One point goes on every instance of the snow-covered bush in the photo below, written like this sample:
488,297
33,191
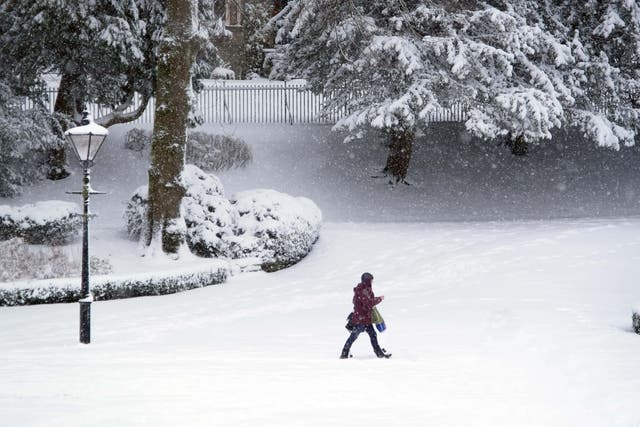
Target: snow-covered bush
215,153
223,73
274,227
137,140
51,222
135,212
277,228
636,320
19,261
208,215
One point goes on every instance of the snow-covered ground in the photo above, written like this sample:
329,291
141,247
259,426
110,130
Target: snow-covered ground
509,285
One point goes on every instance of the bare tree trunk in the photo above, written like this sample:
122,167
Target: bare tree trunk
68,105
177,52
519,145
400,149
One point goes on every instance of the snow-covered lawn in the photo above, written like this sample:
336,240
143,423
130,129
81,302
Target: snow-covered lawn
490,323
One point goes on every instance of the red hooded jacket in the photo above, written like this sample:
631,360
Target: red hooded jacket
363,302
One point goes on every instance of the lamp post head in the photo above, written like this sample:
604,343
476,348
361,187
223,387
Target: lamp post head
87,139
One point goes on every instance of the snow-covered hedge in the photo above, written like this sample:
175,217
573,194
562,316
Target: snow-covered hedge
51,222
274,227
111,287
636,319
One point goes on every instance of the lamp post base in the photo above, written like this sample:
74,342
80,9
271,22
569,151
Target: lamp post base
85,322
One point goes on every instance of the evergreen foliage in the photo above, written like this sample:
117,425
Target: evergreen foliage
523,68
104,50
25,138
216,153
256,14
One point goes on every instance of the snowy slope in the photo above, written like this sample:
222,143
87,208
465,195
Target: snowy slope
495,322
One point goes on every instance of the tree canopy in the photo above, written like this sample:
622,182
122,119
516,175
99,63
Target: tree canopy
523,68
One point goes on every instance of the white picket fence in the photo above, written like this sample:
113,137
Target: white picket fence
222,101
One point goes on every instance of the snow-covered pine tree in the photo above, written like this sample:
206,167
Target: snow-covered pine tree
605,37
256,14
180,44
392,63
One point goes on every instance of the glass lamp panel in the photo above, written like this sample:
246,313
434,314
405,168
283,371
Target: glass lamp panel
94,145
81,145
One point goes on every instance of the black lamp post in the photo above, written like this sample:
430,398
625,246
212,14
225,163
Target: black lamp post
86,141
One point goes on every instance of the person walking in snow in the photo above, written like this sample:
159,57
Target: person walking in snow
363,302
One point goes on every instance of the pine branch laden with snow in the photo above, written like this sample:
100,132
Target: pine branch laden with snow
605,39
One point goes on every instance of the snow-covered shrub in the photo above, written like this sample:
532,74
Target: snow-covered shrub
207,213
636,320
51,222
100,266
277,228
137,140
20,261
274,227
223,73
136,211
215,153
109,287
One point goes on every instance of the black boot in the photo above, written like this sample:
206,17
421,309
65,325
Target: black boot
345,354
381,352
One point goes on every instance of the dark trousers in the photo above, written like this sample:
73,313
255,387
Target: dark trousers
357,330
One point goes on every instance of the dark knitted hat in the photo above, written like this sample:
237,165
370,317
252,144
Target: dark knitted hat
366,278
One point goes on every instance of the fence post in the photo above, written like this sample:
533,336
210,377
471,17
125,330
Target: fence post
224,101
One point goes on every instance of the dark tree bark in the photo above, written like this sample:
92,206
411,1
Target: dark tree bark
176,55
519,145
400,149
70,106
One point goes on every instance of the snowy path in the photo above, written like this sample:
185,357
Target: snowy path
490,324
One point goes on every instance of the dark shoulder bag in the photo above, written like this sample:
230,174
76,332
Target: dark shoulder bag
349,325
